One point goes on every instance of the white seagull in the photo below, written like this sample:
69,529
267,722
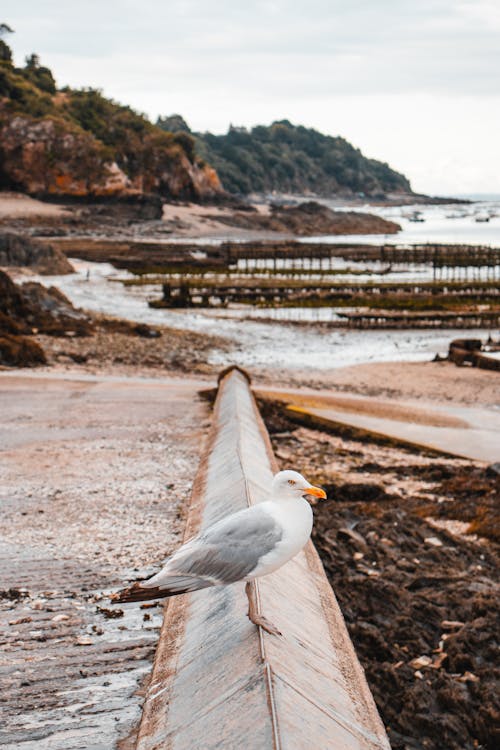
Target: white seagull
240,547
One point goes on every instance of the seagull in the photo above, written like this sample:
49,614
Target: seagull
243,546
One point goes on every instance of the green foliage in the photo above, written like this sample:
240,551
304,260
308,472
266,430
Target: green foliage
40,76
288,158
187,143
22,95
173,123
136,144
111,123
5,50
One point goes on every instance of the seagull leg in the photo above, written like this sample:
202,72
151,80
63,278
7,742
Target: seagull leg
253,614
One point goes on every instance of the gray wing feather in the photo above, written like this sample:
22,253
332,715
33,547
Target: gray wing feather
226,552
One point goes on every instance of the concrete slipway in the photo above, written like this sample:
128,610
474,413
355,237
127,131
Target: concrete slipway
219,681
462,431
84,461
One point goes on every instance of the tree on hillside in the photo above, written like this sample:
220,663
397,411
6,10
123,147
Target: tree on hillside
173,124
38,74
289,158
5,50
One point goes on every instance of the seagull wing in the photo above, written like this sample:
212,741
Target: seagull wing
226,552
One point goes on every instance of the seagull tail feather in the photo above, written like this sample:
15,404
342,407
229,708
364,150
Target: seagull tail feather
138,593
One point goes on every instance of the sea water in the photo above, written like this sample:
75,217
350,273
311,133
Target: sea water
452,223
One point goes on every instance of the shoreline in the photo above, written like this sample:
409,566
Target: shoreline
184,221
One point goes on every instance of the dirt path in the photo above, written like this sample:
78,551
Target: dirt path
95,473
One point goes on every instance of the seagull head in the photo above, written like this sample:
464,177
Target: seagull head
290,484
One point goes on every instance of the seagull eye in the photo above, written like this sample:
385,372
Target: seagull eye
291,481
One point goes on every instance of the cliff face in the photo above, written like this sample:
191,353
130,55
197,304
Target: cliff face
80,144
47,157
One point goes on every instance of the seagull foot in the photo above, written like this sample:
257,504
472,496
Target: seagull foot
265,624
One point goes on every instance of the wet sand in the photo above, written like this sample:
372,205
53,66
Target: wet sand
19,206
418,382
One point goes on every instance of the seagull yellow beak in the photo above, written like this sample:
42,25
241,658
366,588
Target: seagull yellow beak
316,491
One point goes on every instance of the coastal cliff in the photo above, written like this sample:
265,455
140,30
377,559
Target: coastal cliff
77,143
80,144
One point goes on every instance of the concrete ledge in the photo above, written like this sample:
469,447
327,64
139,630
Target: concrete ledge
220,682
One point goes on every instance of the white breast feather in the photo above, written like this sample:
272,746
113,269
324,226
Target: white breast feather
295,517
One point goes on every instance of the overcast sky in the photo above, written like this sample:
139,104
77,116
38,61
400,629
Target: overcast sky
415,83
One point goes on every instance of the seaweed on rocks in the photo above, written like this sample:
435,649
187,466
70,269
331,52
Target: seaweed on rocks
30,309
420,597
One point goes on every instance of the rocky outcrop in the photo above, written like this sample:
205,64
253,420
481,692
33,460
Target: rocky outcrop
122,209
311,218
18,250
77,143
31,308
206,182
20,351
471,352
49,157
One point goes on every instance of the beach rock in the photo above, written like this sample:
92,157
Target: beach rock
311,218
31,308
357,492
20,351
140,207
493,470
314,218
129,328
51,312
354,538
19,250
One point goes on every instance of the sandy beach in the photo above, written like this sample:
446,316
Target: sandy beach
421,382
177,351
15,206
182,220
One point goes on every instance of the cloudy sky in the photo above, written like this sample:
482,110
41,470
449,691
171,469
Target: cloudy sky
415,83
